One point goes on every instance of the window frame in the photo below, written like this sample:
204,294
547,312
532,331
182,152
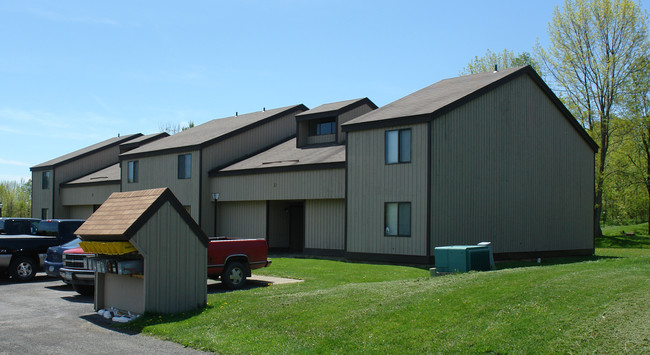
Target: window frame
132,171
45,180
314,128
399,145
399,232
185,173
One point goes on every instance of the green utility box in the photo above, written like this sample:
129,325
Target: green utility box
462,258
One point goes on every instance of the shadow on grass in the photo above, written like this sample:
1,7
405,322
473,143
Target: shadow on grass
623,241
549,261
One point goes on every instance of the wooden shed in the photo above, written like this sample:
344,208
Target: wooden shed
151,230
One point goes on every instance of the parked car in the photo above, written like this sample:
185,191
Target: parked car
23,255
54,259
229,259
18,225
75,271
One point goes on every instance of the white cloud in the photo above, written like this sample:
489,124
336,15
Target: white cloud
13,162
53,16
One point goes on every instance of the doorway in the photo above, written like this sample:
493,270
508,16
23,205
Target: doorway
285,225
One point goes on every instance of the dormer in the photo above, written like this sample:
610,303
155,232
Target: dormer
322,125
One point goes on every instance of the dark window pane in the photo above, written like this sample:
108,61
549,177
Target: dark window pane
405,146
404,219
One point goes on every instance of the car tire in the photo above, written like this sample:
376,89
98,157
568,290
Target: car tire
234,275
84,290
23,268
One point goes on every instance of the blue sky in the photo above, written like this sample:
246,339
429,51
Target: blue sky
73,73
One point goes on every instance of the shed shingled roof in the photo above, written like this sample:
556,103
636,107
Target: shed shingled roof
124,213
448,94
212,130
85,151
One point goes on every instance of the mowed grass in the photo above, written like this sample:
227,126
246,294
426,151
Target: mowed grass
584,305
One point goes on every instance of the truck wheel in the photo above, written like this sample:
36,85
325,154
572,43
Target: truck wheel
84,290
23,268
234,275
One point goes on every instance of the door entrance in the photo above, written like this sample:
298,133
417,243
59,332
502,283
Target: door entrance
286,225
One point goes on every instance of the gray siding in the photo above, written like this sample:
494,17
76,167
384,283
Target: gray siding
41,198
294,185
175,269
346,116
372,183
234,148
162,171
80,211
508,168
87,194
325,224
245,219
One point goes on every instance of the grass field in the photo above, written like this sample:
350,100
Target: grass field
595,304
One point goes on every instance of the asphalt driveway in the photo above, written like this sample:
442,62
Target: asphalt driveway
46,316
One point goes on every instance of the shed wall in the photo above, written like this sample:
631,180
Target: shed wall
242,219
175,265
508,168
372,183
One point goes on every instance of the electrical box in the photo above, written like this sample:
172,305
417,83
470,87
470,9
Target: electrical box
462,258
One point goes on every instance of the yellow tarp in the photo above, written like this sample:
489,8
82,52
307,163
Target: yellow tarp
108,248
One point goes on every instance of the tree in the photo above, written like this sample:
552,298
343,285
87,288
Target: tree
592,53
503,60
16,198
173,128
637,105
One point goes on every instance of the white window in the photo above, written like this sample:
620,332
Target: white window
398,146
185,166
397,219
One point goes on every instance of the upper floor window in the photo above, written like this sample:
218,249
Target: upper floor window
397,219
322,127
185,166
132,174
398,146
45,181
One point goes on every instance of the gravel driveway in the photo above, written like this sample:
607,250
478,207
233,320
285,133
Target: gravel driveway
46,316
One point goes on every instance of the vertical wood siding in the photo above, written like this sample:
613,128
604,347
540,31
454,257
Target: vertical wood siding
508,168
372,183
244,219
346,116
80,211
175,263
162,171
291,185
41,198
325,224
78,168
234,148
87,194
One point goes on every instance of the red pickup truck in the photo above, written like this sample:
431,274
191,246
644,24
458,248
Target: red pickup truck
229,259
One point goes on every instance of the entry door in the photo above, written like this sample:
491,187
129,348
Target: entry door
297,227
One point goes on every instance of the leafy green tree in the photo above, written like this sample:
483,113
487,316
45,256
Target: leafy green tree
592,53
16,198
503,60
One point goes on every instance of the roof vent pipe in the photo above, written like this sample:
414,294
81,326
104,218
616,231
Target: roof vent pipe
236,113
264,109
496,69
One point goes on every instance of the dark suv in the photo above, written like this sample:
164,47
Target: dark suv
18,225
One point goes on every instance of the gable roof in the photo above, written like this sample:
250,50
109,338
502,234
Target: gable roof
437,99
142,140
124,213
78,154
334,108
287,157
109,175
212,131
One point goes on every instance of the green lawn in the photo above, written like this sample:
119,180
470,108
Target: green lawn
596,304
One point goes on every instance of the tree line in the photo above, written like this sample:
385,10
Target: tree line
597,63
16,198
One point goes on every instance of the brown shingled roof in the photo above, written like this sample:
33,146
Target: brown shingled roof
123,213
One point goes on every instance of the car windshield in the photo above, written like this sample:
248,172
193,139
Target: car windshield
72,244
